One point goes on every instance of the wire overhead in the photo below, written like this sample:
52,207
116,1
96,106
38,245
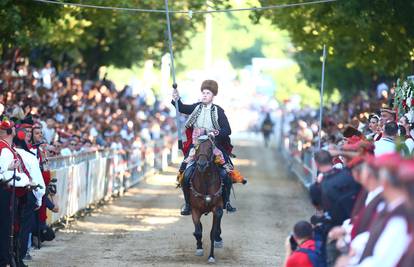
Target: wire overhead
143,10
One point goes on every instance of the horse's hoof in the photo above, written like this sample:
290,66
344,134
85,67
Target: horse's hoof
211,260
199,252
218,244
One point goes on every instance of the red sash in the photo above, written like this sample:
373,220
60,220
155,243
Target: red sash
187,144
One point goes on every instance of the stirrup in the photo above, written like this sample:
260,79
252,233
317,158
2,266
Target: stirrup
186,210
229,208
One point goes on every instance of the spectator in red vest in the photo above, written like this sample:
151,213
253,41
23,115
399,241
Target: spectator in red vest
377,247
406,176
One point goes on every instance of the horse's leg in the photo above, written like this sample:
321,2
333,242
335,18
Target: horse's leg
217,214
218,241
198,232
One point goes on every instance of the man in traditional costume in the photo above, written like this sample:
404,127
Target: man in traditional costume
206,118
33,199
11,166
406,176
377,246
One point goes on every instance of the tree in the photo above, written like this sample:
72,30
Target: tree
364,38
240,58
19,22
90,38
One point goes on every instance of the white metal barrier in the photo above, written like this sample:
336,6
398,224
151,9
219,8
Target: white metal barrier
299,159
87,178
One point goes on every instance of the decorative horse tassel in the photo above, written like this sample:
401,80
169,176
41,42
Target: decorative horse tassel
236,177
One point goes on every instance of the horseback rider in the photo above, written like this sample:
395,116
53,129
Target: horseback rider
211,119
267,128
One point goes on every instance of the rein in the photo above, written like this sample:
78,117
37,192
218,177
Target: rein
207,197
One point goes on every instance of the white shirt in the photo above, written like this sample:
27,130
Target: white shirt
383,146
6,158
31,163
46,74
48,134
204,119
409,142
125,135
372,194
93,132
391,244
116,146
380,88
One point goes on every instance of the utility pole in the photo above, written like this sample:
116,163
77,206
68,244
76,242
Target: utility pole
208,41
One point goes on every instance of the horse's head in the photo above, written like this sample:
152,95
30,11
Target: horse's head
204,153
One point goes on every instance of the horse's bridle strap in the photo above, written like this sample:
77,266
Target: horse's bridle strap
199,195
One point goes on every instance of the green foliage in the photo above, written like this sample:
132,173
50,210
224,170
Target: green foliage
364,38
235,34
404,97
243,57
20,21
91,38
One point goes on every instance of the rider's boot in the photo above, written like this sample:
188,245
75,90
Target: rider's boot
186,209
227,185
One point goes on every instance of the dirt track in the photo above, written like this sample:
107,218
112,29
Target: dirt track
144,227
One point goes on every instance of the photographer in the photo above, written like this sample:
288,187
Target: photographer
41,231
49,200
300,247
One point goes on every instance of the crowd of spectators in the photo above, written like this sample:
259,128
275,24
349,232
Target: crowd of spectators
363,189
46,113
78,115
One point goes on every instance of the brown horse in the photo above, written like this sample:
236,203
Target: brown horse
206,195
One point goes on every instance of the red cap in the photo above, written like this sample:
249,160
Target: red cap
390,161
406,171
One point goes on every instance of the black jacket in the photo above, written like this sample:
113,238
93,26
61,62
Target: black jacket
336,194
223,138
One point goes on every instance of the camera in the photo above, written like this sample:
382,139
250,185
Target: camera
293,243
319,220
51,187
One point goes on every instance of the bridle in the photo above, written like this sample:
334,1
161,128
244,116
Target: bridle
209,157
210,160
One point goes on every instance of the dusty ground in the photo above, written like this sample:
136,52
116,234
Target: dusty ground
144,227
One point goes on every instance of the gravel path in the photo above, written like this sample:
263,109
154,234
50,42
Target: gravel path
144,228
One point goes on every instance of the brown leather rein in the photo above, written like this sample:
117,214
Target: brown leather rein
207,197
